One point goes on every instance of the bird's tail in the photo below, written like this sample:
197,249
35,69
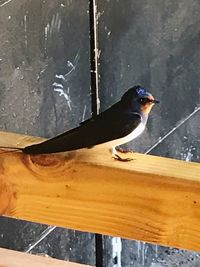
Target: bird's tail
11,149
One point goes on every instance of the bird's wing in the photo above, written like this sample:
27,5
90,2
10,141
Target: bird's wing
119,126
109,125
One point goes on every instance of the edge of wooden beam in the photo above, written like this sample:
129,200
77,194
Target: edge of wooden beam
151,198
10,258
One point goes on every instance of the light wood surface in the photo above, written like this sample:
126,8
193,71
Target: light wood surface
150,198
9,258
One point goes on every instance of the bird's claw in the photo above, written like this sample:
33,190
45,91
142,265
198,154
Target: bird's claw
121,150
117,157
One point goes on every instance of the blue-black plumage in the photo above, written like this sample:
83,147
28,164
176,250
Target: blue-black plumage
119,124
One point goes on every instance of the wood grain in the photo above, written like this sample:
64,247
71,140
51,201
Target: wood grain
9,258
151,198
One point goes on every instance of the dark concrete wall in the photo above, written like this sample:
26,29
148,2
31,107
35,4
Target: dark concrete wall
156,44
44,48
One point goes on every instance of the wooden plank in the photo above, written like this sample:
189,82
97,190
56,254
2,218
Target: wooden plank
151,198
9,258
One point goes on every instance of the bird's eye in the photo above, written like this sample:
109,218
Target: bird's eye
142,100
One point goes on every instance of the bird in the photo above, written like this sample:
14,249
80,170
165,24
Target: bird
119,124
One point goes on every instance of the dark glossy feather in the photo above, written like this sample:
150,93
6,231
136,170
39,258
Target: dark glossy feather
114,123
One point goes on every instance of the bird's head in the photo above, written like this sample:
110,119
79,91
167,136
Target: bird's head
138,99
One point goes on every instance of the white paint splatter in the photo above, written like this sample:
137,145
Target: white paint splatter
66,96
69,64
57,85
60,76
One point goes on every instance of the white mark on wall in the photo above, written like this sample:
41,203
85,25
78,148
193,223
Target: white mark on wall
66,96
141,249
99,14
17,74
62,77
51,28
109,33
55,24
46,29
188,153
5,3
160,140
59,86
84,112
41,237
25,31
199,93
97,54
71,66
116,251
189,156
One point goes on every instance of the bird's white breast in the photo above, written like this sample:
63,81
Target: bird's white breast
135,133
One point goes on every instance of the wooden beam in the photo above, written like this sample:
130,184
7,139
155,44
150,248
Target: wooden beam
9,258
151,198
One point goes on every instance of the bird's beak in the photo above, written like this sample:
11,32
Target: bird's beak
155,101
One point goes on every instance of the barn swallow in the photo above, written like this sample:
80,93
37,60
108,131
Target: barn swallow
119,124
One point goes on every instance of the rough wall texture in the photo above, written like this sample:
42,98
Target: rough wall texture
156,44
45,89
45,75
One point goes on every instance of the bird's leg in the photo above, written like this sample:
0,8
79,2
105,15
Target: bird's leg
121,150
117,157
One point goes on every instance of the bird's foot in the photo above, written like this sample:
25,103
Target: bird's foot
121,150
117,157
